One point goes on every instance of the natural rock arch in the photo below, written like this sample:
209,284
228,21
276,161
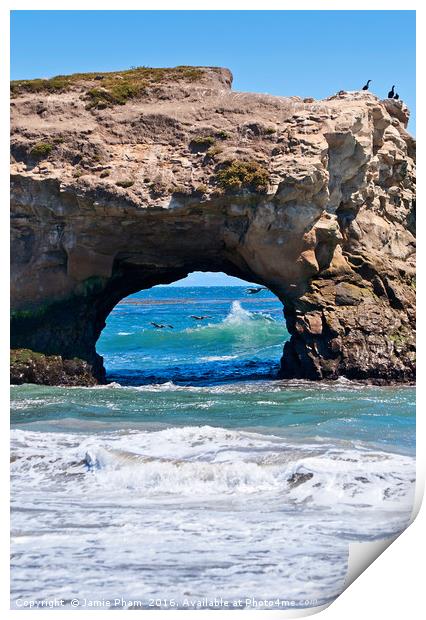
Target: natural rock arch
312,199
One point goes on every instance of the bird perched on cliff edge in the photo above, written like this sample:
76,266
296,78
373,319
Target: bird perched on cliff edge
396,96
391,92
365,87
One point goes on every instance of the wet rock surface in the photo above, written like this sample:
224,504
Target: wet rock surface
313,199
30,367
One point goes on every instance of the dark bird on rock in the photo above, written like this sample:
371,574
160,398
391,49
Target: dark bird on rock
365,87
160,325
391,93
253,291
199,318
396,96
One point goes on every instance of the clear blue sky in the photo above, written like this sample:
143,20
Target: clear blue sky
305,53
198,278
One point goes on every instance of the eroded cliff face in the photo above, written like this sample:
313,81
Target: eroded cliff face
313,199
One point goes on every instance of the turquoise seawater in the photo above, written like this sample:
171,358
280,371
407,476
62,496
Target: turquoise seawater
195,473
208,334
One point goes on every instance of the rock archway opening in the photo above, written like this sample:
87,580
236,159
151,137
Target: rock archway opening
202,329
300,196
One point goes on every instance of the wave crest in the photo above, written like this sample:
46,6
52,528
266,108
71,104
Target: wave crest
207,461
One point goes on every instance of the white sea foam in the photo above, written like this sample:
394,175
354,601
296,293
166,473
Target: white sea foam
205,460
246,387
236,318
217,358
238,315
228,509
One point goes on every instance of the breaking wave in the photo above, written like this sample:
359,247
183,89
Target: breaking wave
240,327
243,344
205,462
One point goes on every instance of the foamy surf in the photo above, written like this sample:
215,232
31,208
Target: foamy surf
372,480
238,318
206,461
148,506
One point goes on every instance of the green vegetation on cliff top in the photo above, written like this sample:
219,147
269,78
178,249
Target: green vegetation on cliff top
106,89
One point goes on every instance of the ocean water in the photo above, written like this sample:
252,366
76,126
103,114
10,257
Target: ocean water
195,475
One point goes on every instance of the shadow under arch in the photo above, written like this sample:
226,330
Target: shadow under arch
132,273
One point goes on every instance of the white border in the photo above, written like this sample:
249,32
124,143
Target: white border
393,585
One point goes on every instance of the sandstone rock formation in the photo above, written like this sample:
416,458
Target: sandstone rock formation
123,181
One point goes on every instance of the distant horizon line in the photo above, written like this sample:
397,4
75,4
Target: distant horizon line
204,286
